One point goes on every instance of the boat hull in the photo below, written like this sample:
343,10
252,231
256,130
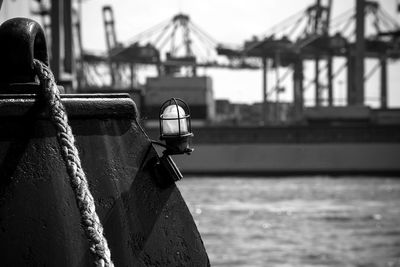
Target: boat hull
293,159
294,150
144,223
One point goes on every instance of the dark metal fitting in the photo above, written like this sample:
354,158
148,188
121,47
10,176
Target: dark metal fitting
165,171
22,40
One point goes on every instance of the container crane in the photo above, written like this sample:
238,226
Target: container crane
183,44
123,58
312,35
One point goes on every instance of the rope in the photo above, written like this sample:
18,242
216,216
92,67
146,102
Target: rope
89,219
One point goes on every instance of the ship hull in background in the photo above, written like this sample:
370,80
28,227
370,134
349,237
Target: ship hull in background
294,150
293,159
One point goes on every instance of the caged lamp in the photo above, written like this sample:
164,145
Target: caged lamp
175,126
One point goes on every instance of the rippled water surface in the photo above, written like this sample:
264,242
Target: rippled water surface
303,221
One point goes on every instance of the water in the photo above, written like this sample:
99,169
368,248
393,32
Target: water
303,221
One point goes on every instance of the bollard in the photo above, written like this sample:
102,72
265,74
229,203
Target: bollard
145,224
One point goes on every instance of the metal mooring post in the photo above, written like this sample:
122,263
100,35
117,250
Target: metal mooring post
41,221
21,40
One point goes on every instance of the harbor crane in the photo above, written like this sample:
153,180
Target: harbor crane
182,43
171,46
312,35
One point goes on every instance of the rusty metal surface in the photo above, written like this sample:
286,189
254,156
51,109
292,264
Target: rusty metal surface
145,225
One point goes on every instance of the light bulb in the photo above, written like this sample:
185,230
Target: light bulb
171,124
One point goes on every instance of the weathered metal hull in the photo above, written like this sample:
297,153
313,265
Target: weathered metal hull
145,224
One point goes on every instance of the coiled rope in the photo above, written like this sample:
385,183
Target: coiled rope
89,218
